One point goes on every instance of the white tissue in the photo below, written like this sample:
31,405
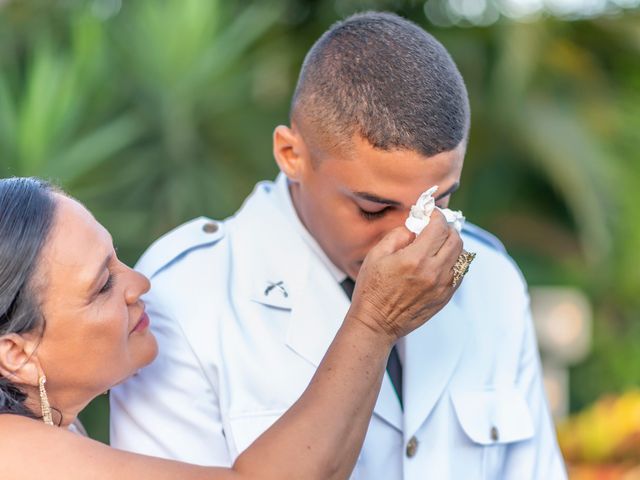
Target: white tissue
420,214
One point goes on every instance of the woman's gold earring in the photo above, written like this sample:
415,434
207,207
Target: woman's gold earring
44,402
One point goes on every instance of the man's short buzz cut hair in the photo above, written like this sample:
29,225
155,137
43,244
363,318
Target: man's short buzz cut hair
385,79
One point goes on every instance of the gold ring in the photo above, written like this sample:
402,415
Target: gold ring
461,267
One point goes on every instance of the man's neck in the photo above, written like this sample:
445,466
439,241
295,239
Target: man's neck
294,194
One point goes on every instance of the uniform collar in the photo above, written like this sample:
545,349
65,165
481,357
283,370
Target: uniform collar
315,321
429,355
285,204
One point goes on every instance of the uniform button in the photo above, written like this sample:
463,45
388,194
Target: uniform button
495,434
210,227
412,447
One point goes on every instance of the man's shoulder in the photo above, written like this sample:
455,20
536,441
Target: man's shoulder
185,244
494,291
482,236
174,246
491,256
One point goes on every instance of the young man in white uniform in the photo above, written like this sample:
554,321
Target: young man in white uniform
244,309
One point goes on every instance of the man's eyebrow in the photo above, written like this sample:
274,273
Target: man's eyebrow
370,197
451,190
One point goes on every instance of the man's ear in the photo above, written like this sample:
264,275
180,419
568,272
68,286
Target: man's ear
18,360
290,152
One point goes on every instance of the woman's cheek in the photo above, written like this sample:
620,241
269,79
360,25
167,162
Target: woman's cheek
111,331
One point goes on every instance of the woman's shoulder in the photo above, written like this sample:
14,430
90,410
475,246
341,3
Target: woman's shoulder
19,423
18,432
32,449
21,439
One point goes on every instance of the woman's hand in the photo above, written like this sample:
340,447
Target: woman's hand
404,282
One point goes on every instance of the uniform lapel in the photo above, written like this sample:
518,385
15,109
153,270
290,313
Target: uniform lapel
316,317
288,275
317,312
431,356
388,406
317,302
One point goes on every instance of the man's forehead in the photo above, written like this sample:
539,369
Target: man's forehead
393,180
391,177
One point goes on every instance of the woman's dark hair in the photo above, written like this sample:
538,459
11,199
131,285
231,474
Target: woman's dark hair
27,209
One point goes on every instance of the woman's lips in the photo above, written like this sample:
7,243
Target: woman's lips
142,324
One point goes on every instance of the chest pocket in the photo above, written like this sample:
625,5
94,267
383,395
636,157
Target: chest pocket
248,427
493,419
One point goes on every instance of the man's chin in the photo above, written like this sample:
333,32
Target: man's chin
354,269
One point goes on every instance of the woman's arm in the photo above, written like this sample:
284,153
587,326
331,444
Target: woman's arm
400,286
318,438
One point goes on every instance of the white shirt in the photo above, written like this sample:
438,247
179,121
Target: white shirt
234,355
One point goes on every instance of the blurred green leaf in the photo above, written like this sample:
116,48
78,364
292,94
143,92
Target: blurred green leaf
94,148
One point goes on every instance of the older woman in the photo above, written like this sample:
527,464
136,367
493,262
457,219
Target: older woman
72,325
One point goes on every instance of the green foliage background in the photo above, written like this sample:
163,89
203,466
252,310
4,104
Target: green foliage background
155,111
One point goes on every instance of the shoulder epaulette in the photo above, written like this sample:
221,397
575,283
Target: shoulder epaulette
483,236
178,242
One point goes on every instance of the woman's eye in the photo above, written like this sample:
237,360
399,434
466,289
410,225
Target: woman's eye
107,285
367,215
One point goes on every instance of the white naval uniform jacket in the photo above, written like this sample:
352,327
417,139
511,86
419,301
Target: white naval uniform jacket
244,311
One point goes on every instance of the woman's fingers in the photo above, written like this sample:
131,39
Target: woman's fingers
405,280
451,249
448,255
395,240
431,239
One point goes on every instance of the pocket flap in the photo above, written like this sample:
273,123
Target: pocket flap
496,416
247,427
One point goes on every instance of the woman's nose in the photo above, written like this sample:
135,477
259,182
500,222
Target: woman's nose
138,287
